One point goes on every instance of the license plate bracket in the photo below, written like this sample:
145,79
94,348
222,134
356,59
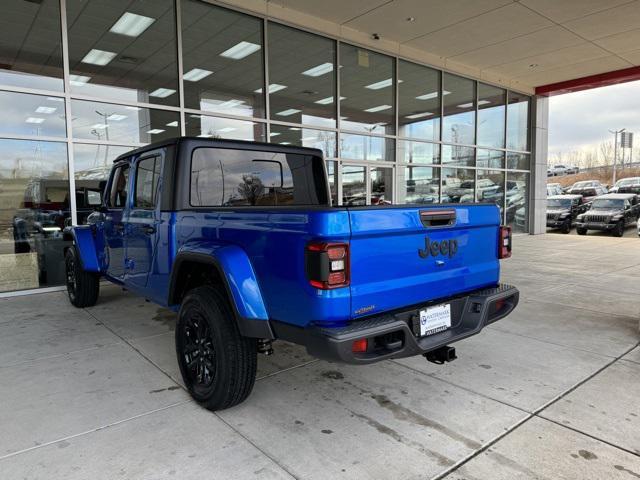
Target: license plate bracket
434,319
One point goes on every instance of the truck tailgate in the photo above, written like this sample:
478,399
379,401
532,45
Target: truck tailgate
404,256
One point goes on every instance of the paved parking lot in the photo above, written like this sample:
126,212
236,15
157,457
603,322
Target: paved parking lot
551,392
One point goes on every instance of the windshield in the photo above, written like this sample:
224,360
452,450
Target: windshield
627,181
559,202
581,184
607,204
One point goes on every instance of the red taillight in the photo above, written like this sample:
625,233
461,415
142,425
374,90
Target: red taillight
504,245
327,265
359,346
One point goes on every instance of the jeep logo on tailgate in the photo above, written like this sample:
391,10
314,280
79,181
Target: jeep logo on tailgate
445,248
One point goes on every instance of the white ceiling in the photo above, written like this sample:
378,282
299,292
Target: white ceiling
519,43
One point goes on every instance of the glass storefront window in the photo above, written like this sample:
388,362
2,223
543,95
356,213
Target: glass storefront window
491,108
305,77
124,51
305,137
360,147
222,60
456,155
381,184
418,152
518,122
367,91
458,185
332,174
518,161
418,185
31,40
490,158
354,189
419,101
206,126
123,124
32,115
517,201
34,209
458,109
490,188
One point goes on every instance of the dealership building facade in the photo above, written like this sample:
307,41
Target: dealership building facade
82,82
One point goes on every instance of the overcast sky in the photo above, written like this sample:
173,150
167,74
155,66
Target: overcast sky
582,119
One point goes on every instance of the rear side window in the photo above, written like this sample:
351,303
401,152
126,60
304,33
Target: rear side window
230,178
147,178
119,187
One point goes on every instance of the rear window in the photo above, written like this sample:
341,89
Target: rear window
230,178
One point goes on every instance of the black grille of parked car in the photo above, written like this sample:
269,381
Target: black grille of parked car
552,216
597,218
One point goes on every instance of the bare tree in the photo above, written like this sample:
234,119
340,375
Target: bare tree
251,189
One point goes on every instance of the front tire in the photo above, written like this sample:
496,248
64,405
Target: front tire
82,287
619,230
566,226
218,365
581,231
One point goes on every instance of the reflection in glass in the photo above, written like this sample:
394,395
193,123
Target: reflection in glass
458,185
34,209
517,203
307,74
31,39
490,188
124,124
518,161
124,51
332,174
418,185
455,155
490,158
360,147
381,184
518,122
419,101
418,152
222,56
354,190
459,109
34,115
205,126
366,85
305,137
491,120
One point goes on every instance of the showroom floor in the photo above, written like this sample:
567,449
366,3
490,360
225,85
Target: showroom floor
551,392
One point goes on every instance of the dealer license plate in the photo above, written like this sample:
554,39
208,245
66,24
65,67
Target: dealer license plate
435,319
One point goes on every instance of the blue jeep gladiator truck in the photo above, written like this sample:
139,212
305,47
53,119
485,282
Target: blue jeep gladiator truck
241,239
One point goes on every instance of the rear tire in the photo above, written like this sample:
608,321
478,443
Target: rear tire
566,226
619,230
218,365
82,287
581,231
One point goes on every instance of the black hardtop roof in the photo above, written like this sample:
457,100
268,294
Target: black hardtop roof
223,143
558,197
616,196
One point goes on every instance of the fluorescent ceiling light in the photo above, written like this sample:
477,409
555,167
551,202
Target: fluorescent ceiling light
98,57
419,115
131,24
78,80
162,92
379,108
155,130
99,126
226,129
465,105
328,100
429,96
274,134
379,85
46,109
483,102
133,108
241,50
34,120
285,143
230,103
295,129
55,99
172,124
195,116
116,117
319,70
196,74
274,87
289,111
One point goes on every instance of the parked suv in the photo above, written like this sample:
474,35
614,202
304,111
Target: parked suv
589,189
558,170
562,211
241,239
611,212
627,185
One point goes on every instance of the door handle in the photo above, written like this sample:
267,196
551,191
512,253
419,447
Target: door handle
149,229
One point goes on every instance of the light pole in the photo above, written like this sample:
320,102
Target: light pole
615,152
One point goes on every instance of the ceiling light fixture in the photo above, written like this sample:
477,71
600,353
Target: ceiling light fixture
465,105
162,92
99,126
328,100
172,124
196,74
116,117
78,80
131,24
34,120
98,57
155,131
274,134
240,50
288,112
380,84
273,87
429,96
379,108
419,115
319,70
46,109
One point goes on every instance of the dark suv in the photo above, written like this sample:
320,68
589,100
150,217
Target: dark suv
589,189
562,211
611,212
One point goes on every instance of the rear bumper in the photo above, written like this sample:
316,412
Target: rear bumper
392,335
